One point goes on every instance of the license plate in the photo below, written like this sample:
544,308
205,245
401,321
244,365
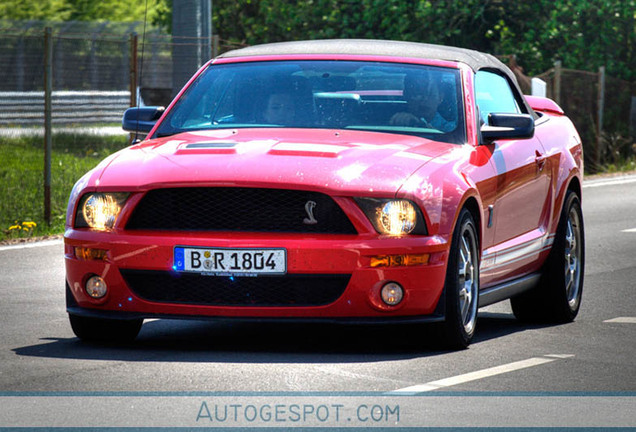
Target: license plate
230,261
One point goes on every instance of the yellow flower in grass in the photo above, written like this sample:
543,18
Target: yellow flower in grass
29,225
15,227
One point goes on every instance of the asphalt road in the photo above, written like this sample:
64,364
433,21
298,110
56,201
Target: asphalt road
39,353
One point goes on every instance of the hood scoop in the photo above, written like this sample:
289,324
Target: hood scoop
307,149
209,145
223,147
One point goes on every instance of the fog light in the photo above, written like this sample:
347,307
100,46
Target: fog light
392,293
96,287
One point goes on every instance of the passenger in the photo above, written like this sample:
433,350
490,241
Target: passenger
280,109
423,98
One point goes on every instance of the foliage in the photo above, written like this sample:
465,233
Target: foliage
584,34
81,10
54,10
24,229
618,150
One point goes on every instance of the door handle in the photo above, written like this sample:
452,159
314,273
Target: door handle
540,160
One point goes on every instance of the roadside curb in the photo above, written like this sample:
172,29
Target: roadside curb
610,181
32,243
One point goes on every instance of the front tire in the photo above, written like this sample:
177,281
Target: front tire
558,297
105,330
462,284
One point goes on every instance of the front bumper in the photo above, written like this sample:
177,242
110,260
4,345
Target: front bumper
307,256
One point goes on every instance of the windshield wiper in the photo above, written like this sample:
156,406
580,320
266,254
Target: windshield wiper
164,134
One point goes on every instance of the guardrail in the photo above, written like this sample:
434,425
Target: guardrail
68,107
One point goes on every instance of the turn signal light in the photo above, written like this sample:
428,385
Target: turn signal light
399,260
88,254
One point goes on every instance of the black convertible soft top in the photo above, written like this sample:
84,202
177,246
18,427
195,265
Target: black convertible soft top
475,59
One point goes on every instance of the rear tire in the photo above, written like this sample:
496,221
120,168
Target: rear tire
105,330
557,299
462,284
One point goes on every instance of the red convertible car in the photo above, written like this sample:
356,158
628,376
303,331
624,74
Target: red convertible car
351,181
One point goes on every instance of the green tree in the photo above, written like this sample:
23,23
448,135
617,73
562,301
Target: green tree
82,10
54,10
109,10
584,34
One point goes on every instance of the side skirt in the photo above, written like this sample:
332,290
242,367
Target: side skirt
504,291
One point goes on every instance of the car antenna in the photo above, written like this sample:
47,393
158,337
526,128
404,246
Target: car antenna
141,72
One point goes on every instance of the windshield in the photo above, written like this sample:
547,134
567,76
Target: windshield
371,96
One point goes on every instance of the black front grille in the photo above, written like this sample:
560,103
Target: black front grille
287,290
239,209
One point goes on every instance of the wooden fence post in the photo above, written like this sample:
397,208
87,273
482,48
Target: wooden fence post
133,69
215,46
48,138
601,108
557,81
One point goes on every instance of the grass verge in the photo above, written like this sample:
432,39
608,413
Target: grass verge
22,179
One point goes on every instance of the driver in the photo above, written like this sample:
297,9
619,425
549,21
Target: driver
423,98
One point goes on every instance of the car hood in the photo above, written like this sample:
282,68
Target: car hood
340,162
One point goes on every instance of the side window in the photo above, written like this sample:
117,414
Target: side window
493,95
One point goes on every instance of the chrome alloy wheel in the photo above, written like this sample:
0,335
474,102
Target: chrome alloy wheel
467,266
573,259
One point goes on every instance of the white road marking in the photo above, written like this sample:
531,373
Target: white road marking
622,320
32,245
609,182
632,230
559,356
477,375
337,371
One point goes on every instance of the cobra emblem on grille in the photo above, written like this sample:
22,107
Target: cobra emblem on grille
309,208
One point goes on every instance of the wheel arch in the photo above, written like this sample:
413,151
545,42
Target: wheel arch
575,186
572,185
472,205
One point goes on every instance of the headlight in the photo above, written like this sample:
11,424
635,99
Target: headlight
393,216
99,210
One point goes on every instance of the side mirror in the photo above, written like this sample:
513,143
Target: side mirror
141,119
507,126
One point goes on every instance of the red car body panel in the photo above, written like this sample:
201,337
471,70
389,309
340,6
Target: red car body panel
442,178
342,162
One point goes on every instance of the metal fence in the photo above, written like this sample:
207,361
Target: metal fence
94,61
86,56
68,107
601,107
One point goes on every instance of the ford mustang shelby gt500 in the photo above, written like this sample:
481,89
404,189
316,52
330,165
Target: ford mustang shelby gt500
341,180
